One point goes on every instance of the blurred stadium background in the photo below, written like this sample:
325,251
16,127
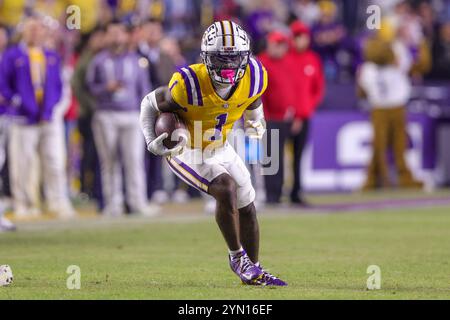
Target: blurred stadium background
166,34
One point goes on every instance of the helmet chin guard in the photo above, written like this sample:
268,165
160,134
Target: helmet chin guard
225,52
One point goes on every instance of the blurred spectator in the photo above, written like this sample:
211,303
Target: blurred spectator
308,77
161,64
353,13
106,13
4,42
50,8
387,87
306,11
262,17
327,36
279,107
3,46
224,10
161,68
403,26
11,12
30,68
118,80
91,11
441,54
181,17
407,22
5,224
134,29
65,112
170,47
89,175
428,20
150,9
124,8
164,56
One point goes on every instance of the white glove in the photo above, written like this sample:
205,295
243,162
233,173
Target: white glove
255,128
159,149
149,114
255,125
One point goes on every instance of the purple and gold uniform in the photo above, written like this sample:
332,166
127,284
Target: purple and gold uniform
191,88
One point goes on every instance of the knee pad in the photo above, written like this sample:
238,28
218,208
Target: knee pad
245,194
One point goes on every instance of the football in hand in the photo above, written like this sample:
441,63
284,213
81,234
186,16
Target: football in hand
169,122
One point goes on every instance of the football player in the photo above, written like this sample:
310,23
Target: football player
210,97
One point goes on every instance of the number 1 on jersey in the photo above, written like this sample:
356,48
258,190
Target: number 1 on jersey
221,120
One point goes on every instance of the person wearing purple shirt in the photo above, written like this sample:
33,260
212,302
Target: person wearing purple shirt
31,86
258,23
3,46
327,37
5,224
118,79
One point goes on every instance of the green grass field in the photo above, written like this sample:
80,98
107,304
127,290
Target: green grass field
322,256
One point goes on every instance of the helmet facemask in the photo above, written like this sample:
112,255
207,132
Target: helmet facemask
226,68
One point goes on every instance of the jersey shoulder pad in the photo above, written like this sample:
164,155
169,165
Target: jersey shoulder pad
258,78
185,87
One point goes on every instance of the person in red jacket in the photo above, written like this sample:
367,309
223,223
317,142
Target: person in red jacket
279,109
308,79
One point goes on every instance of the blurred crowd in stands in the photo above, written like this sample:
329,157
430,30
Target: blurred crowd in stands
154,37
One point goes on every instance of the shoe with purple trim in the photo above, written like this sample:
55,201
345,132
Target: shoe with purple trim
268,279
245,268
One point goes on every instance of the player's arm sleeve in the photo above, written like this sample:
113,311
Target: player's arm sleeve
255,110
254,119
148,115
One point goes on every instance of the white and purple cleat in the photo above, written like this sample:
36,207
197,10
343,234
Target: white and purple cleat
269,279
251,274
246,270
